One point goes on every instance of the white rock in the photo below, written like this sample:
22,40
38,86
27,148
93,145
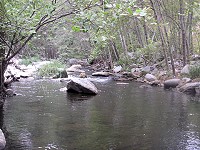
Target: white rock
2,140
147,69
117,69
103,74
186,69
150,77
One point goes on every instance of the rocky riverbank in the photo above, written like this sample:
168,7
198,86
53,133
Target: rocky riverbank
153,75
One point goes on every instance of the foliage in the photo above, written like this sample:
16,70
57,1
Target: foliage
150,52
131,25
195,72
103,23
23,19
51,69
29,60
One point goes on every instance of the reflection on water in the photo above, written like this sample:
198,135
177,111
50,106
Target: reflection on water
121,116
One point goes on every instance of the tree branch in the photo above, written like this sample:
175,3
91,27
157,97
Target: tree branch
42,23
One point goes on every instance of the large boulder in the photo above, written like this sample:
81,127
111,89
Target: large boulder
171,83
2,140
79,85
190,88
150,77
186,69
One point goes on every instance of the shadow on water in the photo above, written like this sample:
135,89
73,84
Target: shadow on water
78,97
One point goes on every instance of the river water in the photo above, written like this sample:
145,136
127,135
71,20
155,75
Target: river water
121,117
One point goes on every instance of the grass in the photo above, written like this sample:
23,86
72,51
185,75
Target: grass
51,69
29,60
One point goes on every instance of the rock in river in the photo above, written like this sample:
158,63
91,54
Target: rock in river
80,85
2,140
190,88
171,83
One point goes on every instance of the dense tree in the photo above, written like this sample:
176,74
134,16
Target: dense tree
22,19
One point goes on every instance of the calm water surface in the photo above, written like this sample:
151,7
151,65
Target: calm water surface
120,117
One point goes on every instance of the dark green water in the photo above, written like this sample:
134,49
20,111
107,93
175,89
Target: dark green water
121,117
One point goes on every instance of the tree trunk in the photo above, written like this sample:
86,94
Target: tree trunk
183,32
138,34
158,20
114,50
189,28
145,26
2,70
123,42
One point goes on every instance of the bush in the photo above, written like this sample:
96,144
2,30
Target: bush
51,69
29,60
195,72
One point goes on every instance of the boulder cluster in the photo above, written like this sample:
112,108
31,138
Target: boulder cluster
79,72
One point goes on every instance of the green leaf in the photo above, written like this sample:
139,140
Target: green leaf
138,10
76,28
118,6
130,11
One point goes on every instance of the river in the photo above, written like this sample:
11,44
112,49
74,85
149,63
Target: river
120,117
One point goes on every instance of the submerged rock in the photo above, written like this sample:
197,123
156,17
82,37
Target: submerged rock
79,85
2,140
145,86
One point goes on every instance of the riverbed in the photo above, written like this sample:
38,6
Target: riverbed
122,117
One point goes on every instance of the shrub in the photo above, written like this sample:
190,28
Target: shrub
51,69
28,60
195,72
